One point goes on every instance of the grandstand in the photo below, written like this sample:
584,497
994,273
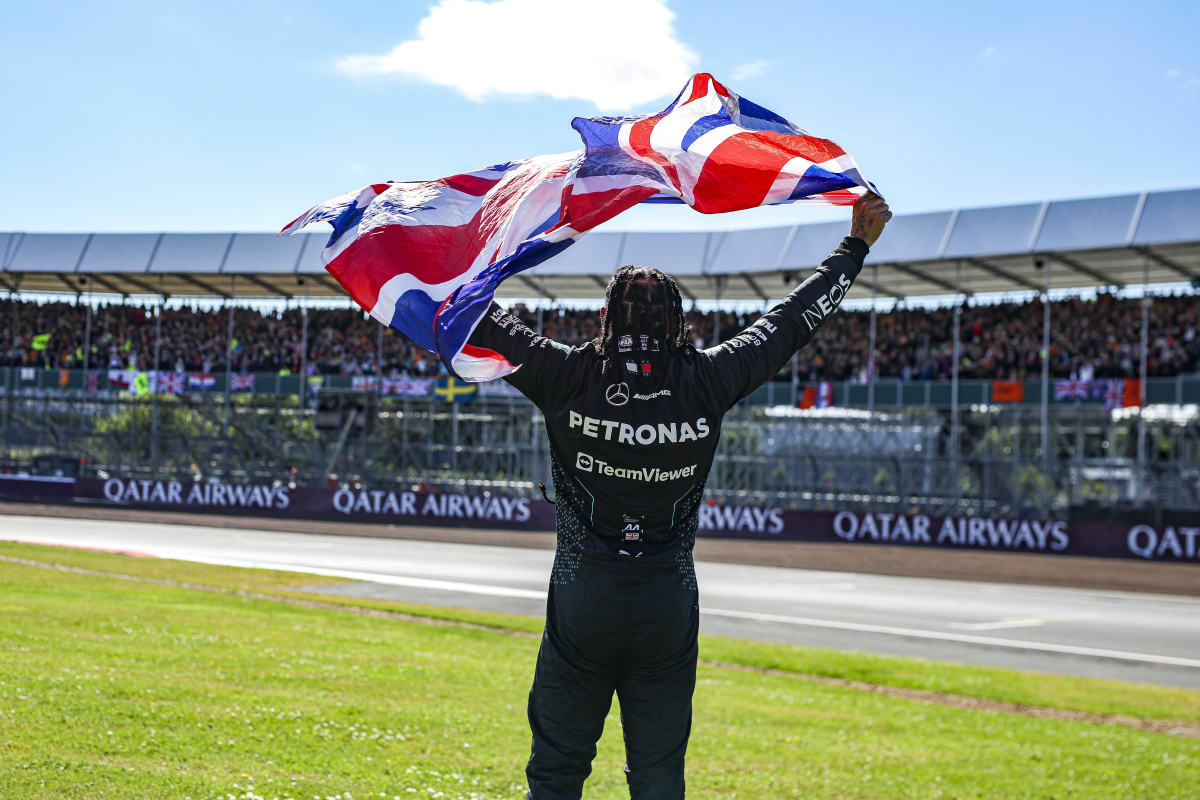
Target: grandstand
995,411
999,340
1153,237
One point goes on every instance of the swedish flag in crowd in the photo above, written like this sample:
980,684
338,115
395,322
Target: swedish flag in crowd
452,390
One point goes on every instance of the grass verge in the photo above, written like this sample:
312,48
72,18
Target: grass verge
1088,695
117,689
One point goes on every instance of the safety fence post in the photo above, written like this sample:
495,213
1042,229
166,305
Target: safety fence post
156,386
1047,478
954,422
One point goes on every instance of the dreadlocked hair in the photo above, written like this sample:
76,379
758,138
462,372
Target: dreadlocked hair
643,300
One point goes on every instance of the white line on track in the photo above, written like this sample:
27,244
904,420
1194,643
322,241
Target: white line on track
1094,652
506,591
376,577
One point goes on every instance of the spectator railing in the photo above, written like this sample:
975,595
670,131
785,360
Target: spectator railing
1179,390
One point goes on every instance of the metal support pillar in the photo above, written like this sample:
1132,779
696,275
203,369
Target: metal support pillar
795,380
1046,438
957,357
87,334
872,345
379,373
539,319
302,392
11,389
155,386
453,439
718,285
1142,374
229,369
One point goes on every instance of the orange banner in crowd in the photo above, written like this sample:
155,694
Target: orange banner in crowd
1008,391
1133,392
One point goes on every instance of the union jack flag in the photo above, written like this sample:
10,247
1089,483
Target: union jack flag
427,257
91,382
170,382
242,382
1071,389
1114,394
410,387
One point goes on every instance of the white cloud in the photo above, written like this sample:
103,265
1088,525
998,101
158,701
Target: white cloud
617,55
988,55
755,69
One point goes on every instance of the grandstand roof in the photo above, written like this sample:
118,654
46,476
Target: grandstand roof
1101,241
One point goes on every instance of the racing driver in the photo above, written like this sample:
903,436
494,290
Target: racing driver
633,420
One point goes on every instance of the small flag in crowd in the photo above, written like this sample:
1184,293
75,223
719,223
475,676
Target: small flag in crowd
1122,393
41,341
91,383
819,396
64,377
243,382
170,382
453,390
1071,389
408,387
1114,392
427,257
201,380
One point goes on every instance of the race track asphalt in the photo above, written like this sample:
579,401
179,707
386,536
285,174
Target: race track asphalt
1096,633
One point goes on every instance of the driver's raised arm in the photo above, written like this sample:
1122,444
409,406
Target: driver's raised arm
754,356
540,363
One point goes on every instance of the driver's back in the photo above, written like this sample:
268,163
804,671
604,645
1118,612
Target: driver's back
633,431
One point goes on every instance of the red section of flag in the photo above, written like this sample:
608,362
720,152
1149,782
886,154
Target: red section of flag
432,253
639,142
699,87
741,170
482,352
586,211
839,197
470,184
809,398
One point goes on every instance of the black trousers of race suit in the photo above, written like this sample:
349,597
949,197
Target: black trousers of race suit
625,627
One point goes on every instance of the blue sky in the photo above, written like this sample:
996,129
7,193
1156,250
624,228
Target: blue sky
218,116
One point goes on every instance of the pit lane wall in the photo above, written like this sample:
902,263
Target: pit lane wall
1107,540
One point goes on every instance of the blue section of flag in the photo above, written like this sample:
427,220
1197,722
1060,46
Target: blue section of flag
704,125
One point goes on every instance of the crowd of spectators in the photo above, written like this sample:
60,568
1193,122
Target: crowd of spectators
340,341
1098,338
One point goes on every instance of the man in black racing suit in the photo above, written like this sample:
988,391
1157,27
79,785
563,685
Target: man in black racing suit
633,421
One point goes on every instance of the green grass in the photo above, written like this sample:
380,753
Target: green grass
1091,695
130,690
1008,685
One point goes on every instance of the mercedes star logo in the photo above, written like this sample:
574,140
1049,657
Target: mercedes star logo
617,394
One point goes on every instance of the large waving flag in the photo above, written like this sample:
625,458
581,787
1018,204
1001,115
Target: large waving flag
427,257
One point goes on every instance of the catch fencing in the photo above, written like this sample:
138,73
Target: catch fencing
898,459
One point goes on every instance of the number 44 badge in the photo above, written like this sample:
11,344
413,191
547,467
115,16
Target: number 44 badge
633,528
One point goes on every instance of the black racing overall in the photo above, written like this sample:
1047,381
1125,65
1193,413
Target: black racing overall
632,438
